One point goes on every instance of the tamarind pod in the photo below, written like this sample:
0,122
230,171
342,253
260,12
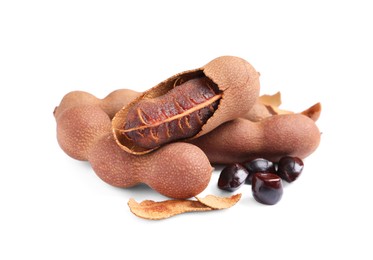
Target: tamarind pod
78,128
178,170
111,104
241,140
235,84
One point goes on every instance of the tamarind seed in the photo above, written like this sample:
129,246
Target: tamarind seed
289,168
258,165
232,177
179,114
267,188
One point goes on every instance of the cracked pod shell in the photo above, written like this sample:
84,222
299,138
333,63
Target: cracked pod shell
236,80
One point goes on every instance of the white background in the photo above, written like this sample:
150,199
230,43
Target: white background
54,207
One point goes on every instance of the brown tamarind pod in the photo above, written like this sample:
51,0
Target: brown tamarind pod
257,112
78,128
73,99
271,138
178,170
111,104
187,105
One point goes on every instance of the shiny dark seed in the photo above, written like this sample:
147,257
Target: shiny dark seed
232,177
289,168
267,188
258,165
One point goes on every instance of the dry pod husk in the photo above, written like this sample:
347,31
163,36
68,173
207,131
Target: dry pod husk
227,88
149,209
313,112
216,202
269,105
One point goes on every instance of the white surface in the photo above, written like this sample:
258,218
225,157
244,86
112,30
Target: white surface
53,207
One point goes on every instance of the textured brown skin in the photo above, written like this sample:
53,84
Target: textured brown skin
78,127
239,82
257,112
235,78
178,170
111,104
241,140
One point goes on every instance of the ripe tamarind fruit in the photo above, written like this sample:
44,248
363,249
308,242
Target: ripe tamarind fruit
187,105
178,170
271,138
201,107
78,127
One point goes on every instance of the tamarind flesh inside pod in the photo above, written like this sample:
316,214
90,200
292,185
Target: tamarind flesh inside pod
187,105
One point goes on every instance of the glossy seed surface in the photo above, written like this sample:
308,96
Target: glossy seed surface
289,168
267,188
258,165
232,177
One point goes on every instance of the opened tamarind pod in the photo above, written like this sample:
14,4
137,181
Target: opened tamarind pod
187,105
273,137
84,133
